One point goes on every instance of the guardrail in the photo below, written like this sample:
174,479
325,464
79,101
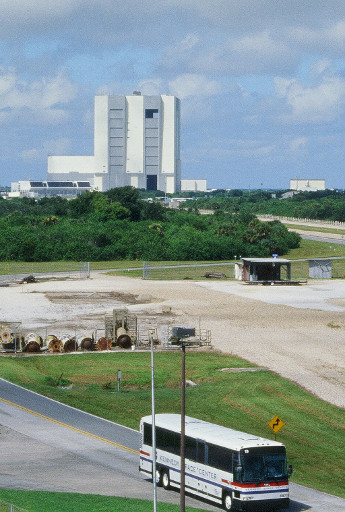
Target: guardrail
331,223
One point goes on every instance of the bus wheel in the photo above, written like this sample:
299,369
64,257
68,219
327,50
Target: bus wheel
227,502
166,480
159,477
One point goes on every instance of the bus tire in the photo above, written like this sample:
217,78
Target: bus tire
227,501
159,477
166,479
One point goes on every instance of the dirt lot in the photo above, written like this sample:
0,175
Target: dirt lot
296,331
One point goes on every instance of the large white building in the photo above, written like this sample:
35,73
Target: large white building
136,142
193,185
304,185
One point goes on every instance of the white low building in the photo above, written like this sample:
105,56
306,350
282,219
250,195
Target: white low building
37,189
303,185
193,185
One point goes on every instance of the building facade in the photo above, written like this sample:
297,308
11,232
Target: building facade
193,185
303,185
37,189
136,143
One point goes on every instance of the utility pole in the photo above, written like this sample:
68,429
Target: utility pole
153,428
180,334
183,427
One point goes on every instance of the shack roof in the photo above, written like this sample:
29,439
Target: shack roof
266,260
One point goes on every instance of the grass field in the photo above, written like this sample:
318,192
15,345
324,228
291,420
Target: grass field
186,269
312,249
35,501
314,430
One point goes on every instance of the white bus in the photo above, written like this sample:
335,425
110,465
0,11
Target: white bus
234,469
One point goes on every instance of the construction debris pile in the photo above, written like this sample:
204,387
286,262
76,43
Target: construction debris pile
122,330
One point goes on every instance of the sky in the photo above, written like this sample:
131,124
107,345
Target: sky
261,83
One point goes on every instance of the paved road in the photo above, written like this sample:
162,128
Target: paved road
46,445
320,238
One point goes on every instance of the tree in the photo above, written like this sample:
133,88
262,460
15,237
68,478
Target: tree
128,197
105,210
82,204
50,221
153,211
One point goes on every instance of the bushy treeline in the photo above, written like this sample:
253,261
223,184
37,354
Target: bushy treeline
322,204
119,225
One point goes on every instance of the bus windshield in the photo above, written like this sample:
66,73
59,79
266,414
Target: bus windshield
263,465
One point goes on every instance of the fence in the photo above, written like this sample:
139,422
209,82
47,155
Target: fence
8,507
13,271
299,220
299,270
154,270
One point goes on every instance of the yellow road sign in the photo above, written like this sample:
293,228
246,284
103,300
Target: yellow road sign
276,424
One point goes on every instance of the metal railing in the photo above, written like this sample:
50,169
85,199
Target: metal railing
312,222
15,271
8,507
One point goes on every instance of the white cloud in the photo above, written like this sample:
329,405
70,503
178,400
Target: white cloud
298,143
225,36
228,149
250,53
49,147
16,14
41,99
196,85
246,148
181,52
330,38
322,67
322,103
152,86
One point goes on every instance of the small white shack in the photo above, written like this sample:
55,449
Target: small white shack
266,270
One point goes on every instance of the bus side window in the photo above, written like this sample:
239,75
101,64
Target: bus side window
200,452
160,438
147,434
219,457
168,441
190,448
172,442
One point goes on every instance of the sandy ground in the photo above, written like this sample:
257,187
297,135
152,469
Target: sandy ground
296,331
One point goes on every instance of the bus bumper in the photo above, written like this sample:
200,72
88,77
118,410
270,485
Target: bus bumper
264,505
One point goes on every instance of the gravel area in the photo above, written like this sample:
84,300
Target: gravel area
296,331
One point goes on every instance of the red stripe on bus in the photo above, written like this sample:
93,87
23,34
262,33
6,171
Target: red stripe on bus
145,453
270,484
